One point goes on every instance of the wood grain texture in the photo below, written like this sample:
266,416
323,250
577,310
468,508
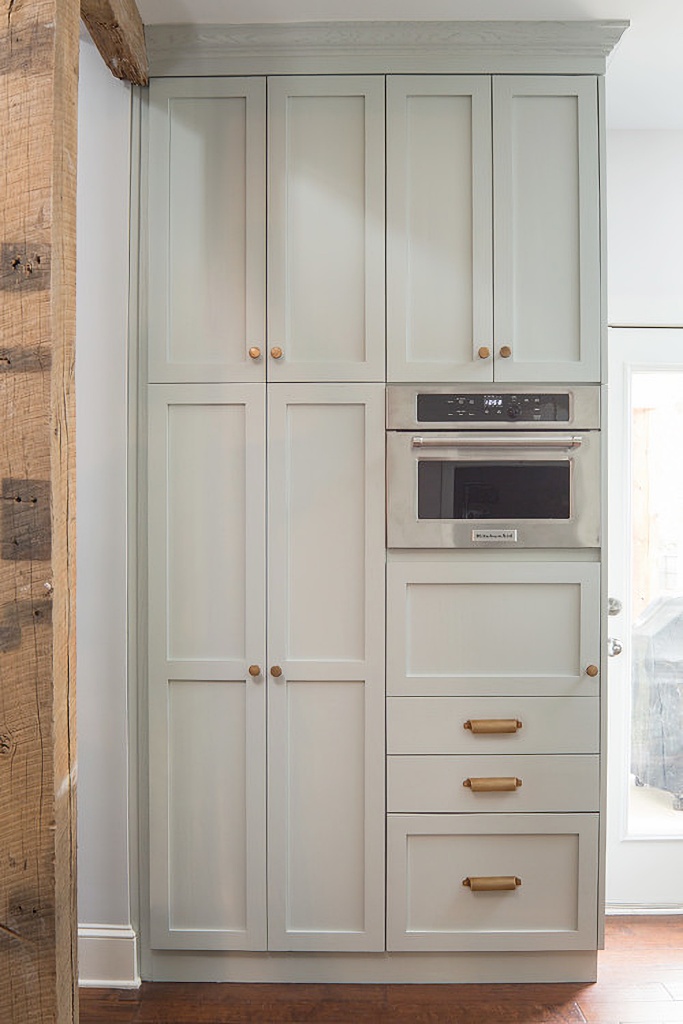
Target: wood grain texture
38,115
640,978
118,33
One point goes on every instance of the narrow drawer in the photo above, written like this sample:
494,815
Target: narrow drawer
436,725
554,857
434,783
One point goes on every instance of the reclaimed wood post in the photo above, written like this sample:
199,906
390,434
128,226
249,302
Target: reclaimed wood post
38,119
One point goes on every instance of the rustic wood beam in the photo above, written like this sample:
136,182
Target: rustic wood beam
38,118
118,33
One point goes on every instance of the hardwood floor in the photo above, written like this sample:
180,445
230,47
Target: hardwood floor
640,981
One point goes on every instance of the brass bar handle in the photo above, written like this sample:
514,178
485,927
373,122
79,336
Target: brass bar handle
492,883
493,785
492,725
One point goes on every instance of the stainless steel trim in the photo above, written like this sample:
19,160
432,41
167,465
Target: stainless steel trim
561,442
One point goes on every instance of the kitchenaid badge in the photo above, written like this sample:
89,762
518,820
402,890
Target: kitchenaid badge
509,536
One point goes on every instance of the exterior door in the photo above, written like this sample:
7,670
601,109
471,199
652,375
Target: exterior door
645,773
326,667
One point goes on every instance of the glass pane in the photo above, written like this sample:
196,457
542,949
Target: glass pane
490,490
656,793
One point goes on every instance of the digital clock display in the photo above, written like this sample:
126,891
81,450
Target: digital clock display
492,401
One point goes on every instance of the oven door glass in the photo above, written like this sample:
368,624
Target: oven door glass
448,489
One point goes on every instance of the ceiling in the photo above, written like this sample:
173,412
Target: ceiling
644,77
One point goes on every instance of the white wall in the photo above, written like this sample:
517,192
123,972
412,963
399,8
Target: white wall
101,410
645,227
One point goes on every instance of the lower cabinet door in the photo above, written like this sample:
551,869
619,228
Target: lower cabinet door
492,882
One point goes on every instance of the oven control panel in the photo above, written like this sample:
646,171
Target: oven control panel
492,407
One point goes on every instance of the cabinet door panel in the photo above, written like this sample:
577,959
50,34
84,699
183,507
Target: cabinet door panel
206,247
547,265
326,228
206,591
527,628
439,236
554,855
326,632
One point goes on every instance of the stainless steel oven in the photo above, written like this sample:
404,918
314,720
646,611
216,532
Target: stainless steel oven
510,466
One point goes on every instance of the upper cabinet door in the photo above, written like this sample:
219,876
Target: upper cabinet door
439,233
206,246
326,228
546,229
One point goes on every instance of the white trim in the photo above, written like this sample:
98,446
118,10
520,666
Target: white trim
108,956
531,47
644,909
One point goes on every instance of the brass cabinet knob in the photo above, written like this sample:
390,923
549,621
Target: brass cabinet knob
484,352
592,670
276,671
254,670
276,352
254,352
505,352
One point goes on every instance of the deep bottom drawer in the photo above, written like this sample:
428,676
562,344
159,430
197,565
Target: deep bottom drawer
554,857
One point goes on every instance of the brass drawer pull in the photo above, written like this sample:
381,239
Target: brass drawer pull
492,883
493,785
489,725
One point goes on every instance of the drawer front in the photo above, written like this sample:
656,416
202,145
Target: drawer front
436,725
554,857
440,783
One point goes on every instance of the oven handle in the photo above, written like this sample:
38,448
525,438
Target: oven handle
562,442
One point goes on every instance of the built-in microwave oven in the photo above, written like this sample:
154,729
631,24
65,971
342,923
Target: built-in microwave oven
511,466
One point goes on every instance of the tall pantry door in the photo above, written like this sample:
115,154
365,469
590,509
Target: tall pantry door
326,667
206,582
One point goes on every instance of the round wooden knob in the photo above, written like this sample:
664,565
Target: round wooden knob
254,352
592,670
484,352
276,352
254,670
276,671
505,352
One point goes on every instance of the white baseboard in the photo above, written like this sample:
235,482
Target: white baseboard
649,910
107,956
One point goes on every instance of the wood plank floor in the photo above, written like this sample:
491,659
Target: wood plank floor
640,981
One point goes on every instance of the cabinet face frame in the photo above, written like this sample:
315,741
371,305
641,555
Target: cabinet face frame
191,260
169,671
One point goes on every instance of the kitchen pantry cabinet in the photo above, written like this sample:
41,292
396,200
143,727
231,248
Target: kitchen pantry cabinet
209,317
266,683
493,239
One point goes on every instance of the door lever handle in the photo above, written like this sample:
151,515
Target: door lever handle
614,646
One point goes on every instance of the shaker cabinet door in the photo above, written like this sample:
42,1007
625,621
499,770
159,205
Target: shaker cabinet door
439,236
326,228
326,642
206,230
206,600
546,228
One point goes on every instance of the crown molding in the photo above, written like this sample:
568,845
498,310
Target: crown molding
467,47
